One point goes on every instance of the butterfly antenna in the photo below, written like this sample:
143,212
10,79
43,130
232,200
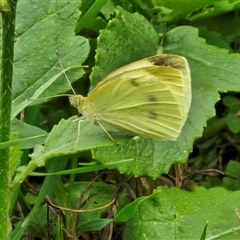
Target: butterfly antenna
58,56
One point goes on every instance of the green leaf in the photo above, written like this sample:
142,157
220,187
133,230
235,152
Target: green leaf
225,26
61,141
88,20
16,109
194,10
177,214
29,136
233,119
127,212
131,36
232,179
233,169
203,235
213,38
35,58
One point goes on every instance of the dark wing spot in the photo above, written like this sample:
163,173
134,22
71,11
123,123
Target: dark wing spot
152,98
169,61
152,115
134,82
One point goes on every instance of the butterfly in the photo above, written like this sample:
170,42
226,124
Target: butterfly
149,98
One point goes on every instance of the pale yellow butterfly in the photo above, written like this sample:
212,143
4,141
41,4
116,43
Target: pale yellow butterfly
149,98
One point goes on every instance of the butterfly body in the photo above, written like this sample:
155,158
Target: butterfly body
149,98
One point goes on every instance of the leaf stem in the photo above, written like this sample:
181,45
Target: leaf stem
8,29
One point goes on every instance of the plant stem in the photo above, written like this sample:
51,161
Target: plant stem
8,29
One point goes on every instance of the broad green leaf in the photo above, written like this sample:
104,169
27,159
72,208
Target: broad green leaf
226,27
61,141
213,38
177,214
38,36
25,131
132,37
34,97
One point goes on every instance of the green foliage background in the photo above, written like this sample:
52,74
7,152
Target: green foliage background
108,35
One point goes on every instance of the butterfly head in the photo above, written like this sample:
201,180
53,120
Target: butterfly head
79,102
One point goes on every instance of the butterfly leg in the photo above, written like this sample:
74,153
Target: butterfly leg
106,132
78,131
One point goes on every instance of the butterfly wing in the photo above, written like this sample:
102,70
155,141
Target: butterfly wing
143,99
